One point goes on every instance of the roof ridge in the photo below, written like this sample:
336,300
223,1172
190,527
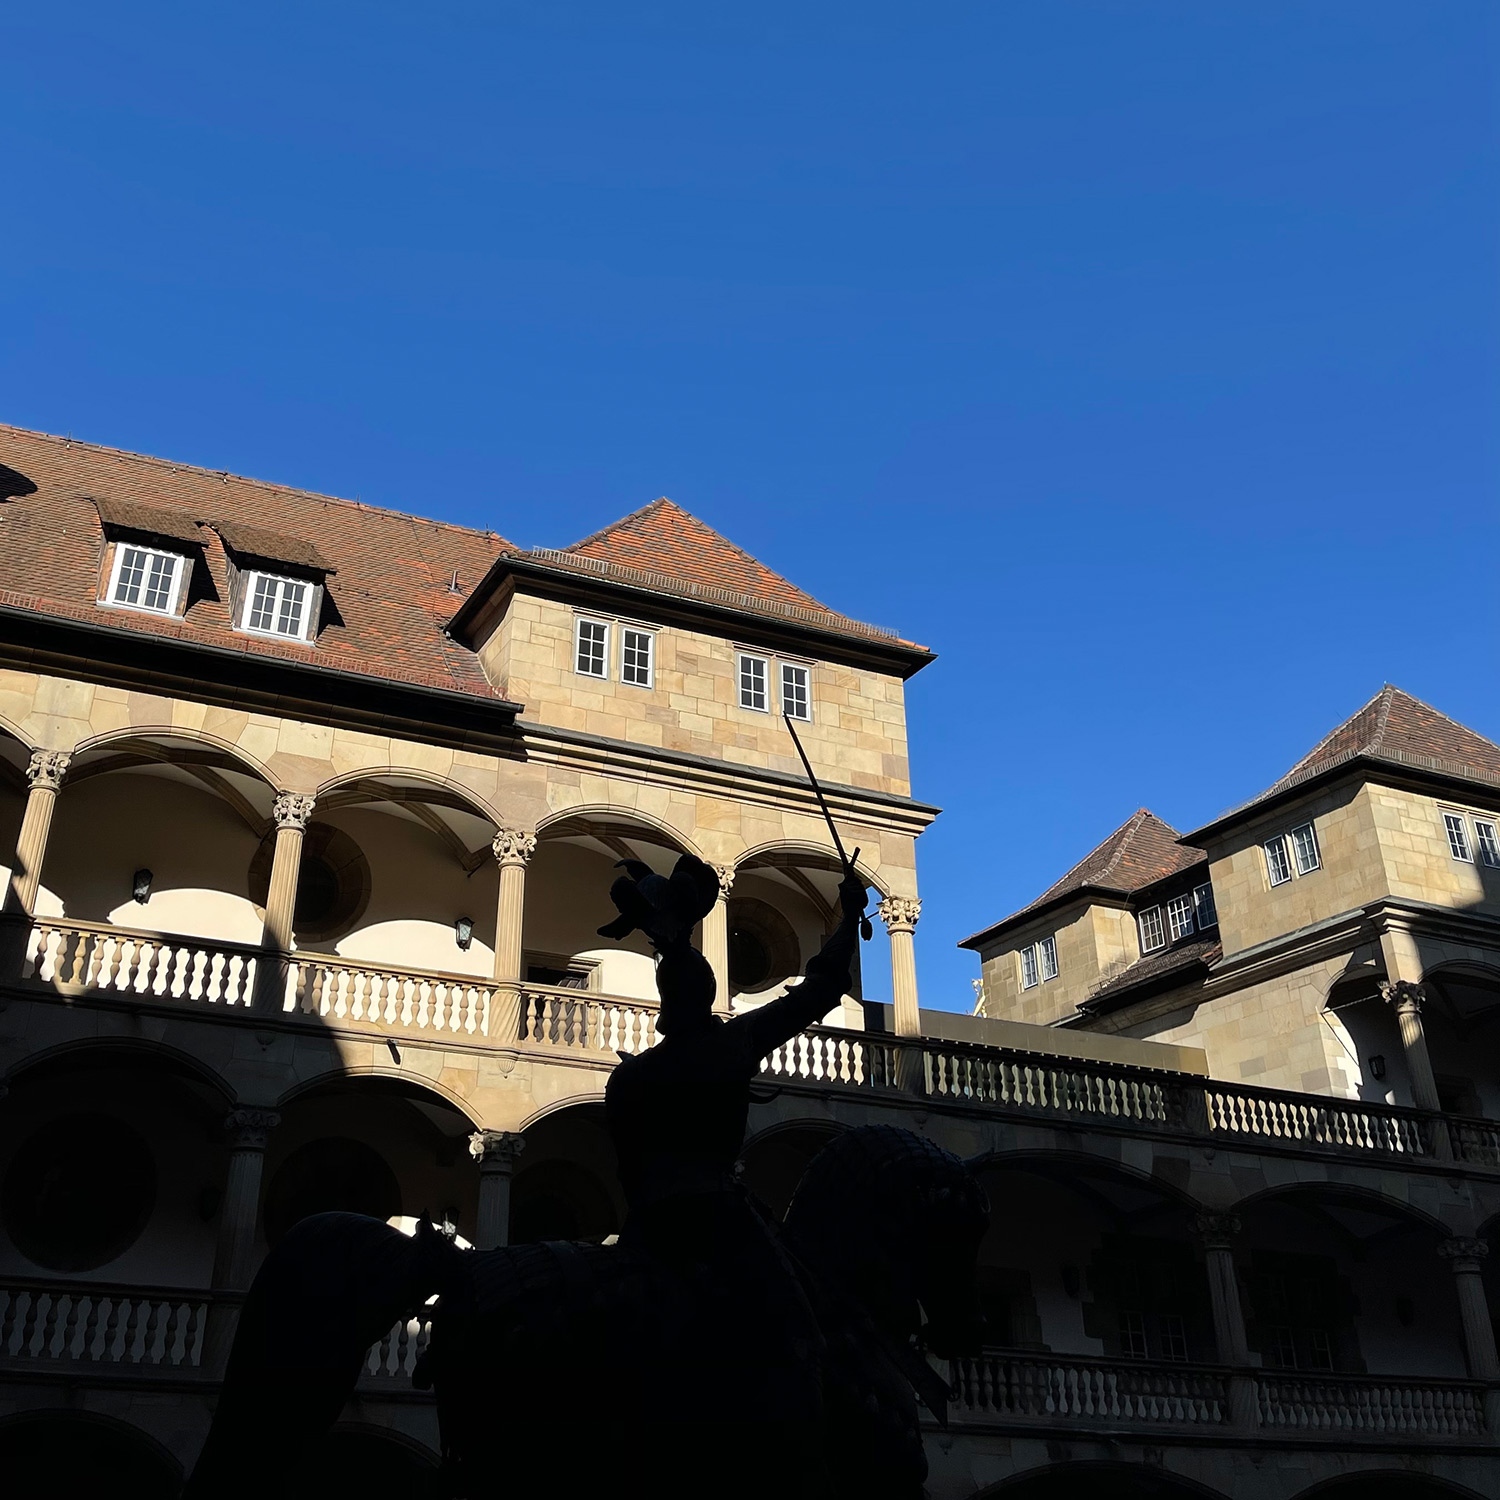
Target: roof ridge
177,466
1128,828
1333,733
615,525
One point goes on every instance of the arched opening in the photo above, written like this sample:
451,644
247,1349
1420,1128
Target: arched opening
157,833
1462,1021
112,1167
1119,1481
396,870
1367,1030
1340,1281
1084,1260
373,1465
772,1164
1393,1485
567,901
377,1146
781,909
566,1185
62,1453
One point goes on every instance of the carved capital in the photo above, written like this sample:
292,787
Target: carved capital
900,913
1463,1253
293,810
726,879
47,768
249,1129
1403,995
496,1150
514,846
1218,1231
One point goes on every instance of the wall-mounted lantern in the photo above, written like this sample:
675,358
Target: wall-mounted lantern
1377,1066
140,886
463,932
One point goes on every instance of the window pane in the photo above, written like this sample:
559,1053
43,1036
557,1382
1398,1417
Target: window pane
635,658
1180,916
145,579
794,694
262,603
293,602
1489,842
1152,934
132,570
1203,899
753,683
1133,1335
158,591
1305,842
1458,837
592,636
1028,967
1047,953
1278,866
1173,1338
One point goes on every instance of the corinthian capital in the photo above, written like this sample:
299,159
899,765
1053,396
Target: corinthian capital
514,846
900,913
496,1150
249,1129
1218,1231
726,878
1463,1253
1402,994
47,768
292,810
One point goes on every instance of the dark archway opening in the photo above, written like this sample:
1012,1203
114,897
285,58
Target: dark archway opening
55,1454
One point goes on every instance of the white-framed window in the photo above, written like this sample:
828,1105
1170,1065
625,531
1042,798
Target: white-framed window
1153,935
146,578
637,650
1132,1334
1278,862
1030,978
591,648
1203,901
796,699
1180,916
1458,837
1173,1338
1046,957
1305,849
752,671
1488,839
277,606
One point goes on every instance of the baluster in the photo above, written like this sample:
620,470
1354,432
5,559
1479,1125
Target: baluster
70,1328
30,1322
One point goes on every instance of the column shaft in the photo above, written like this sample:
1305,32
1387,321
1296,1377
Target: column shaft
900,915
716,940
291,812
234,1253
496,1152
1406,999
1466,1257
513,847
45,773
1218,1232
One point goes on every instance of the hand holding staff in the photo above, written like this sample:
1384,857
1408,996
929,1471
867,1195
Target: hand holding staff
866,931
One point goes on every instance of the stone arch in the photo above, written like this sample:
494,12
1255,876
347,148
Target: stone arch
480,806
772,1160
566,1185
825,853
604,812
559,1106
1120,1481
138,732
58,1451
1387,1484
1025,1159
1347,1191
362,1458
132,1048
342,1072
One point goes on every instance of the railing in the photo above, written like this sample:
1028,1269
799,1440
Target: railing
395,1356
103,1324
584,1023
1372,1404
75,958
1003,1387
1015,1385
345,990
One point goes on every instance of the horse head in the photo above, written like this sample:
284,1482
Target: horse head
896,1221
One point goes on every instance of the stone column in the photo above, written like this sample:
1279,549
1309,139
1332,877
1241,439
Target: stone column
716,939
900,915
496,1152
1465,1259
291,812
513,849
45,775
1218,1233
1407,999
234,1255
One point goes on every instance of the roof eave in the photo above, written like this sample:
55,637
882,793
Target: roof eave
1089,895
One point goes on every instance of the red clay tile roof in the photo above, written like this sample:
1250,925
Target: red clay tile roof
391,589
1195,952
150,520
1141,851
1396,728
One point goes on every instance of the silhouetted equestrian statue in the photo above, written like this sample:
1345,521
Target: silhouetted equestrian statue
711,1352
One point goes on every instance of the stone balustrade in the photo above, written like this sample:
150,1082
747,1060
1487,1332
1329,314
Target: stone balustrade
1008,1387
75,959
101,1324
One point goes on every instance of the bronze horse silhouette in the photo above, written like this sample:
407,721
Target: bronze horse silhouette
563,1370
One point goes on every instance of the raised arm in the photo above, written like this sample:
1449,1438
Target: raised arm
827,982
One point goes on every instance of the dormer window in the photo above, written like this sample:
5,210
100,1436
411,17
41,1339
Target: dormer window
277,606
145,578
1153,934
1180,917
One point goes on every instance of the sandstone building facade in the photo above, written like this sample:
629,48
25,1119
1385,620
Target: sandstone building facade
308,811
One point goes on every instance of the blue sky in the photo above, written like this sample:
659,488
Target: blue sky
1141,358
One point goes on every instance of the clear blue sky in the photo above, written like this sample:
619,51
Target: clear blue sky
1141,358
